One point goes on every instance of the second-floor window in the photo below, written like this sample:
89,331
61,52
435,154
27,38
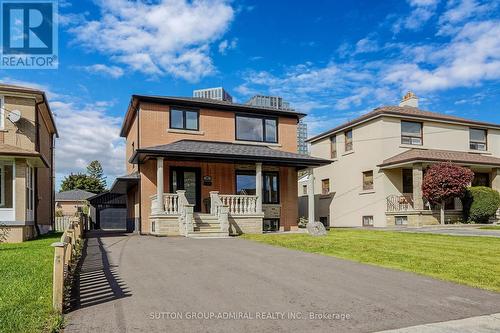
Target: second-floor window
184,119
477,139
348,140
333,146
411,133
256,128
368,180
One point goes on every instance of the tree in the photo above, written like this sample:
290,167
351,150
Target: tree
444,181
82,181
94,169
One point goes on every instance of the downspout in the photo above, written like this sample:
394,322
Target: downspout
37,148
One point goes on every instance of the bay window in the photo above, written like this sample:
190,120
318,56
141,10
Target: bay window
256,128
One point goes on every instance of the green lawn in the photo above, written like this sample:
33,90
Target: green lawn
491,227
474,261
26,286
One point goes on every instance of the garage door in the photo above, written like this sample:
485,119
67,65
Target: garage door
113,218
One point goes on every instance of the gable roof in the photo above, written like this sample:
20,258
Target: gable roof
226,151
200,103
74,195
435,155
404,112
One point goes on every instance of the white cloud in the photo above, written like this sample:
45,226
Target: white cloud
366,45
112,71
459,11
227,45
166,37
420,12
473,55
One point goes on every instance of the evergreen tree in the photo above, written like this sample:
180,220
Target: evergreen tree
94,169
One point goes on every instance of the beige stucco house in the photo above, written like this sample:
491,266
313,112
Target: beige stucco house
378,161
27,133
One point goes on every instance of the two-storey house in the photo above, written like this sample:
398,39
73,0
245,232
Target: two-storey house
27,134
201,167
379,159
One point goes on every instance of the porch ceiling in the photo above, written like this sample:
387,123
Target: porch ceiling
434,155
225,152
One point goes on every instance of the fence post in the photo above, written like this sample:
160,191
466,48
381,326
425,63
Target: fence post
58,276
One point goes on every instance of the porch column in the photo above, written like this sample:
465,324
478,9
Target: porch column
160,208
418,176
310,197
258,186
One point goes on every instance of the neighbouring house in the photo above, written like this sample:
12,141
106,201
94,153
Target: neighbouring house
379,159
68,203
202,167
27,135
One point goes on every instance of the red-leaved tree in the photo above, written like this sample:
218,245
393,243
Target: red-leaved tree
443,181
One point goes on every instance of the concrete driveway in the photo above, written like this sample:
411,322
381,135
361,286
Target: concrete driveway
149,284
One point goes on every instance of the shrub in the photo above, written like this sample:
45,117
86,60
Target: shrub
480,203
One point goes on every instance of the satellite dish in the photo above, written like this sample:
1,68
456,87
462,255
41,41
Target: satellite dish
14,116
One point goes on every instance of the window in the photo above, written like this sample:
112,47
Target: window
408,181
325,186
270,190
368,180
304,189
184,119
245,182
401,220
254,128
333,146
477,139
368,221
6,186
411,133
348,140
271,224
245,185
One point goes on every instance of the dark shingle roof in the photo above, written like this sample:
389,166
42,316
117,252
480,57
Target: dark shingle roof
210,150
74,195
434,155
403,111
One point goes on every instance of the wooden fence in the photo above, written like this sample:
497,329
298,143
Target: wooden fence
64,252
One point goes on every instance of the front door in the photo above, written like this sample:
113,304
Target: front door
187,179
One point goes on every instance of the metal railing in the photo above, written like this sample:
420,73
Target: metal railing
400,203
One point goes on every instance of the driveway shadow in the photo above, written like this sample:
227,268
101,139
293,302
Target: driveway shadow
97,280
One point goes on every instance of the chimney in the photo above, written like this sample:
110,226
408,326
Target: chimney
410,99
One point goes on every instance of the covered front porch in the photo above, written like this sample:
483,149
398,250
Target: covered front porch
233,190
405,204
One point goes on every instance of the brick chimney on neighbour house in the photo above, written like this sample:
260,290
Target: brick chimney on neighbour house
410,99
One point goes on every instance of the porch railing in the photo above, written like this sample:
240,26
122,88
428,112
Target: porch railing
239,204
399,203
171,201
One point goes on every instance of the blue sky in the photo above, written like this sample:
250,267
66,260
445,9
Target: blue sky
331,59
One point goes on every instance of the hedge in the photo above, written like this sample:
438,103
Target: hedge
480,203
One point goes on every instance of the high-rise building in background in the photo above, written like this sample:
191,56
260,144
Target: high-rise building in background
302,146
213,93
277,102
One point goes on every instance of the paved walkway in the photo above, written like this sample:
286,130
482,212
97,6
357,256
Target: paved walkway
150,284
